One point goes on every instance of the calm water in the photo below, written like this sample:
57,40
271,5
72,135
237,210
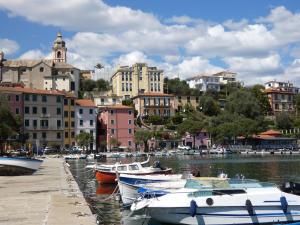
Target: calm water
274,168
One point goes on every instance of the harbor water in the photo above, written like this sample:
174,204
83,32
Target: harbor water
272,168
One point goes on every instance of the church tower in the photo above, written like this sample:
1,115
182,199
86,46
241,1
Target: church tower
59,50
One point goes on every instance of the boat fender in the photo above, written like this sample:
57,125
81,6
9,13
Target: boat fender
193,208
284,204
249,207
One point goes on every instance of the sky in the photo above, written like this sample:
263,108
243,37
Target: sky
257,39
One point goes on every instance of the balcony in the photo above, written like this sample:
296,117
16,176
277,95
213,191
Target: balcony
45,115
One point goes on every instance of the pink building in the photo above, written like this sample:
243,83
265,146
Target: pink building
116,122
202,140
13,99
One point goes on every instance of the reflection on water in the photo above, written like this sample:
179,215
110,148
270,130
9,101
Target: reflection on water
273,168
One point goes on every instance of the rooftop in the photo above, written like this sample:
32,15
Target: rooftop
154,94
118,106
31,91
85,103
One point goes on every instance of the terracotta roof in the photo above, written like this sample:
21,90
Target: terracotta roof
85,103
118,106
154,94
271,133
31,90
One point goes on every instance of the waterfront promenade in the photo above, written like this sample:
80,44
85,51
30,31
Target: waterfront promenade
48,197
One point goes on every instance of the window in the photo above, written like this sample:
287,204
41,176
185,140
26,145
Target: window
72,114
66,124
129,131
26,123
17,111
72,102
81,122
35,123
26,97
17,98
44,98
58,123
34,136
44,123
91,111
112,122
66,135
44,135
72,86
122,76
102,101
158,87
188,99
58,111
26,110
66,113
80,111
72,134
65,101
34,110
72,124
58,135
41,69
123,89
92,132
114,101
133,167
129,121
91,122
158,77
44,110
151,87
129,112
129,144
112,131
130,87
130,77
58,99
112,112
126,86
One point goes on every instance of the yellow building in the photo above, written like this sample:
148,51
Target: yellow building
140,78
181,101
69,120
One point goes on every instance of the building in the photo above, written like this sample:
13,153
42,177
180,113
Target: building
151,103
281,96
181,101
47,74
86,74
200,141
226,77
85,119
105,98
116,122
13,99
130,81
69,120
205,83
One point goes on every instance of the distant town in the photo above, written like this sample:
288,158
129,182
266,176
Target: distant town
50,104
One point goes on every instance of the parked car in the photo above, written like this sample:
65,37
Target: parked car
50,150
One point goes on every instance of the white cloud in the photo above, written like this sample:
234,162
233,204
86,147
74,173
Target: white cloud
33,54
185,20
132,58
292,72
251,40
233,25
8,46
81,15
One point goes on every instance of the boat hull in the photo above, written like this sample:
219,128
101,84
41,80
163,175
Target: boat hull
13,166
110,177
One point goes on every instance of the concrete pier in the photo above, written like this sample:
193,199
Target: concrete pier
48,197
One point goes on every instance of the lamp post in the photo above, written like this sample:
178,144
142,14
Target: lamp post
1,64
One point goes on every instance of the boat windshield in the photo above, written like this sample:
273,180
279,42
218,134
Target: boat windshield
133,167
225,183
122,168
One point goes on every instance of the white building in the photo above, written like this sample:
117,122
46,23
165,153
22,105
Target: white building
282,86
226,77
105,98
204,83
85,119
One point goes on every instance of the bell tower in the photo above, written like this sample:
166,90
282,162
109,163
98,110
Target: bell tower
59,50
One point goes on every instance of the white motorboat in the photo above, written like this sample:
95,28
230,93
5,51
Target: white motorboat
107,173
12,166
184,147
226,202
129,184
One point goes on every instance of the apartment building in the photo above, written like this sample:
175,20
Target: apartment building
151,103
13,99
85,119
181,101
105,98
226,77
281,96
69,120
130,81
205,83
116,121
47,74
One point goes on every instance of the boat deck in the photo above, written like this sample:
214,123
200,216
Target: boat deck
49,196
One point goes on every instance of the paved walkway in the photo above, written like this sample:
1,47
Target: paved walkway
48,197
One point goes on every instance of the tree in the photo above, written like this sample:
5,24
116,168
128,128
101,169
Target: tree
283,121
9,126
142,136
88,85
191,126
155,120
102,85
113,142
84,139
127,102
177,119
179,87
262,98
209,106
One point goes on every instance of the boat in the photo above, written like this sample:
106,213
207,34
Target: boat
184,147
14,166
75,156
130,184
228,202
107,173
